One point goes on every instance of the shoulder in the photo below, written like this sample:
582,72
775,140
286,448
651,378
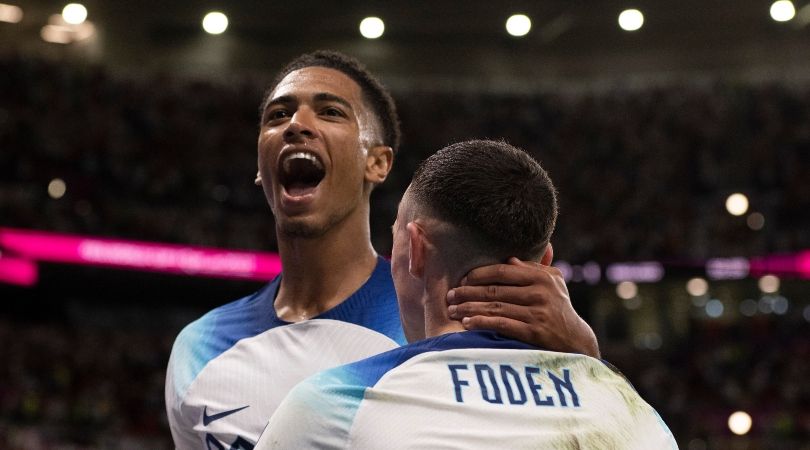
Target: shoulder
214,333
317,413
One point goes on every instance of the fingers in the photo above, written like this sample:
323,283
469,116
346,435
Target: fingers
500,309
516,273
517,295
514,329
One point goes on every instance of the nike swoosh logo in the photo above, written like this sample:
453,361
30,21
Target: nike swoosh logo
208,419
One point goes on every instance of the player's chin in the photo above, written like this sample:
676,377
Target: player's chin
300,227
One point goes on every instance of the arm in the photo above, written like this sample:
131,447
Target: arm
182,431
527,301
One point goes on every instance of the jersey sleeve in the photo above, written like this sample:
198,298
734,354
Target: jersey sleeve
318,413
181,427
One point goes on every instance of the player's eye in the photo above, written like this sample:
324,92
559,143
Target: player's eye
333,112
276,114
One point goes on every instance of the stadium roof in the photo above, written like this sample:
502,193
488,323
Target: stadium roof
441,39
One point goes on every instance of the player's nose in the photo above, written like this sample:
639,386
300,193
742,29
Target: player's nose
300,125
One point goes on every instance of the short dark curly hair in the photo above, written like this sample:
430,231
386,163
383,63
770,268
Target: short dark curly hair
374,93
495,192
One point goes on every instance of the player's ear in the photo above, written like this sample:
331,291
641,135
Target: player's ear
379,161
548,256
416,249
258,180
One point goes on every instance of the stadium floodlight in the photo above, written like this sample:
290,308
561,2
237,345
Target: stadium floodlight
74,13
518,25
57,188
372,27
783,10
631,19
769,284
697,287
737,204
215,22
10,13
626,290
740,423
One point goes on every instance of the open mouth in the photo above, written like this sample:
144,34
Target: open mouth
301,172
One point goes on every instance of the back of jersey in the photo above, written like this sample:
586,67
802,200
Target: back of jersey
472,390
516,399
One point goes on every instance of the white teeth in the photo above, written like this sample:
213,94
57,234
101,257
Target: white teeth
302,155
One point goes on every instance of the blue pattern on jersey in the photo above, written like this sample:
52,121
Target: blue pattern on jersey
337,393
373,306
368,371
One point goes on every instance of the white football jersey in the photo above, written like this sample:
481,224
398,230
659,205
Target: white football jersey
231,368
469,390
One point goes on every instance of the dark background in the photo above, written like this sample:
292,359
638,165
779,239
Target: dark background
152,124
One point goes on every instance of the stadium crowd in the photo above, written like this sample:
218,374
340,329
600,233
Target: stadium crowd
643,173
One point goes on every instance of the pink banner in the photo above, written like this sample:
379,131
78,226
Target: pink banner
187,260
804,264
21,272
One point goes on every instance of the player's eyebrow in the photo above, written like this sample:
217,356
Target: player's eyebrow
280,100
327,97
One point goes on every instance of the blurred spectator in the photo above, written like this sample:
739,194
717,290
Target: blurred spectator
642,173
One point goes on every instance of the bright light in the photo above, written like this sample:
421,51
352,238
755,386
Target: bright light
697,287
714,308
769,284
737,204
56,34
58,31
83,31
10,13
755,221
74,13
782,10
372,27
739,423
518,25
626,290
780,305
57,188
215,23
631,19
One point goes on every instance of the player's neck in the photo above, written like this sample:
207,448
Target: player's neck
319,273
437,320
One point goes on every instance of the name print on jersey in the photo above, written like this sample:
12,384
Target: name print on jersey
504,383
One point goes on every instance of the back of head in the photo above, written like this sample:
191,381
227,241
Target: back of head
375,94
497,199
